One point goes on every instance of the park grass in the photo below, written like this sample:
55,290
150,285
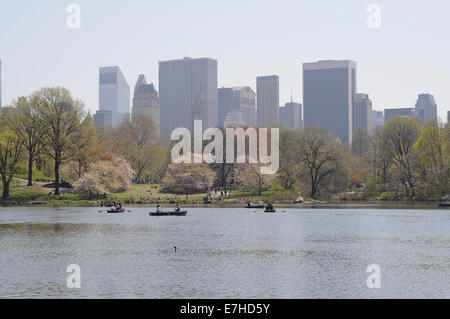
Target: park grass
138,194
154,193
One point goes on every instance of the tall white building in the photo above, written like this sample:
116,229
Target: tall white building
268,100
187,92
329,90
114,94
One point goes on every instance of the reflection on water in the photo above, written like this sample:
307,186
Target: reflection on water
225,253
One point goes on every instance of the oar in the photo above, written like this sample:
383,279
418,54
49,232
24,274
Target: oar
101,211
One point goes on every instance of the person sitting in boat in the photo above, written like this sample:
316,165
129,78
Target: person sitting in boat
269,207
158,209
118,207
178,208
249,204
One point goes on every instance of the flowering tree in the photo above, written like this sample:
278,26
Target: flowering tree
89,184
189,177
125,173
106,176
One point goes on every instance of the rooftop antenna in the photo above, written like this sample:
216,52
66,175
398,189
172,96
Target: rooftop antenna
291,97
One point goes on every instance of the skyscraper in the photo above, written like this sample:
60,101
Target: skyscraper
146,101
114,94
245,99
329,89
239,99
291,115
267,100
389,114
362,112
426,107
234,119
377,121
103,119
187,92
225,104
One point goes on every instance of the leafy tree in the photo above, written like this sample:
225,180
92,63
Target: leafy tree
24,119
61,117
10,155
85,149
289,172
322,157
137,142
431,150
399,137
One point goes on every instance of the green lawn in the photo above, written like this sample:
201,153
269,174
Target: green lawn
139,194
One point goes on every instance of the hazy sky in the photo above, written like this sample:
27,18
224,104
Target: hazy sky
409,54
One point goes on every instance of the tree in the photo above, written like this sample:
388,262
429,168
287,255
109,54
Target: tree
224,171
137,142
10,155
431,151
85,147
105,176
360,143
321,156
249,176
399,137
61,117
24,119
89,184
188,177
289,171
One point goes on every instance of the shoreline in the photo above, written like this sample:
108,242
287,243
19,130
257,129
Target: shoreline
306,205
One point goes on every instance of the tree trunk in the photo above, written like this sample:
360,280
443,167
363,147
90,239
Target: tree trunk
5,189
30,171
313,186
57,176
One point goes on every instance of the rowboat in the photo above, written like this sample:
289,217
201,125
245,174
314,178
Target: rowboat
444,204
254,206
115,211
269,211
173,213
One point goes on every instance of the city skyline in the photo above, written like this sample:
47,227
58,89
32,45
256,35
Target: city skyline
408,67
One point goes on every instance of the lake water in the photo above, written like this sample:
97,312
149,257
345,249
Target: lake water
225,253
